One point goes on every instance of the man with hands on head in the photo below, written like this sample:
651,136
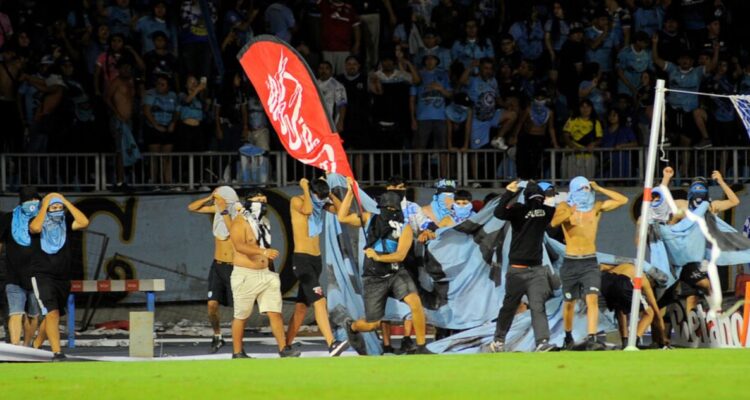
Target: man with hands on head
50,264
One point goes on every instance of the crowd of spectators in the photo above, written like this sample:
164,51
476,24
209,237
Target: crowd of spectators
140,75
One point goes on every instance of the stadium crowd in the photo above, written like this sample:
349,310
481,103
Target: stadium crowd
120,75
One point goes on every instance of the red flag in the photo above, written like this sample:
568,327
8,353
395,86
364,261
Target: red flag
286,87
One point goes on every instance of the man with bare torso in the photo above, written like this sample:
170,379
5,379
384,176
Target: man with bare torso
252,279
580,273
119,98
307,225
222,203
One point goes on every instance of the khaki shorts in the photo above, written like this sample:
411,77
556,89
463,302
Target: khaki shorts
249,285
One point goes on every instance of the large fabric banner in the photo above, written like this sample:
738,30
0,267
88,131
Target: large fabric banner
287,89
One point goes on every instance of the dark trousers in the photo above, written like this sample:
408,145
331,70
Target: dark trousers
533,283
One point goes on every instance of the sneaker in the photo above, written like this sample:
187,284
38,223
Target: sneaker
703,144
499,143
497,346
388,349
592,344
241,354
569,344
422,350
355,338
337,347
545,346
217,343
289,352
667,347
476,185
59,356
407,345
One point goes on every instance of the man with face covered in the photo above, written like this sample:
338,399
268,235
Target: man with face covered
580,274
307,225
50,264
439,213
253,278
388,244
462,208
691,273
526,274
222,204
23,308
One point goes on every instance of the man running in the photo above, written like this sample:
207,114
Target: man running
388,244
526,274
222,203
252,278
580,274
50,264
307,225
23,308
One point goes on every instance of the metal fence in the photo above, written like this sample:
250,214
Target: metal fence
488,168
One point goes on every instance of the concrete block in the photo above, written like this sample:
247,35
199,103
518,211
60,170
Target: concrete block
142,334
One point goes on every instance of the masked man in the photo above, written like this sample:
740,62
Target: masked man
50,264
223,204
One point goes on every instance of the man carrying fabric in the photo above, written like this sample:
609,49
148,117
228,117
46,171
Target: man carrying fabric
307,225
252,277
526,274
23,308
222,203
388,243
50,264
580,274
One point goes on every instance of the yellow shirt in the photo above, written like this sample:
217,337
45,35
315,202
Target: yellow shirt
583,131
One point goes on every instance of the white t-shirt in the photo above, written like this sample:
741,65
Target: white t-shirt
334,96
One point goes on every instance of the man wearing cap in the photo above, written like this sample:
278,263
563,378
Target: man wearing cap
23,308
431,47
223,204
427,108
526,273
50,264
388,244
580,274
438,214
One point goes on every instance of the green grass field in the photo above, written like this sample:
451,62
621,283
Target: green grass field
678,374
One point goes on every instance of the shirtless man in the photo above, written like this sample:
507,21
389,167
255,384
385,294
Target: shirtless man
11,75
307,225
691,273
252,280
617,290
222,203
119,98
388,242
580,274
438,213
536,122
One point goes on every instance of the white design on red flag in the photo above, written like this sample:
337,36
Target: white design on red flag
286,111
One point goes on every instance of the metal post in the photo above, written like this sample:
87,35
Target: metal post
191,171
71,321
3,170
553,166
151,301
735,166
645,208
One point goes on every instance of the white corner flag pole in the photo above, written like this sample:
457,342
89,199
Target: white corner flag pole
653,145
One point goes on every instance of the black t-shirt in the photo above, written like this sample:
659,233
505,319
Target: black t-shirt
571,53
357,103
159,64
17,257
528,221
54,265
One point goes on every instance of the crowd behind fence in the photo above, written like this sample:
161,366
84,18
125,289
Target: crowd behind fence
94,172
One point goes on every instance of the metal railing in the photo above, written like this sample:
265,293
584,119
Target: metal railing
488,168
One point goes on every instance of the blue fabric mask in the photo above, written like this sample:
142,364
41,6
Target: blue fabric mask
22,214
315,220
660,211
583,200
539,112
697,194
53,230
462,213
438,206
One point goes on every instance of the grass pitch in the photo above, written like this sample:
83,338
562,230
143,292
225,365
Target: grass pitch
677,374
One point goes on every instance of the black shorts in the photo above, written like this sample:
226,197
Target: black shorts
158,138
51,293
379,288
307,270
617,291
220,283
682,123
580,277
691,274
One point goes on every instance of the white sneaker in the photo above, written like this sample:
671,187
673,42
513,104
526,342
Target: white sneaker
499,143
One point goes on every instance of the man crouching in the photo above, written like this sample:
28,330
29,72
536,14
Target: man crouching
251,277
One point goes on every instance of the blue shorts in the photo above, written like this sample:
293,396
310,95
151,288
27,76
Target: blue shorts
21,301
